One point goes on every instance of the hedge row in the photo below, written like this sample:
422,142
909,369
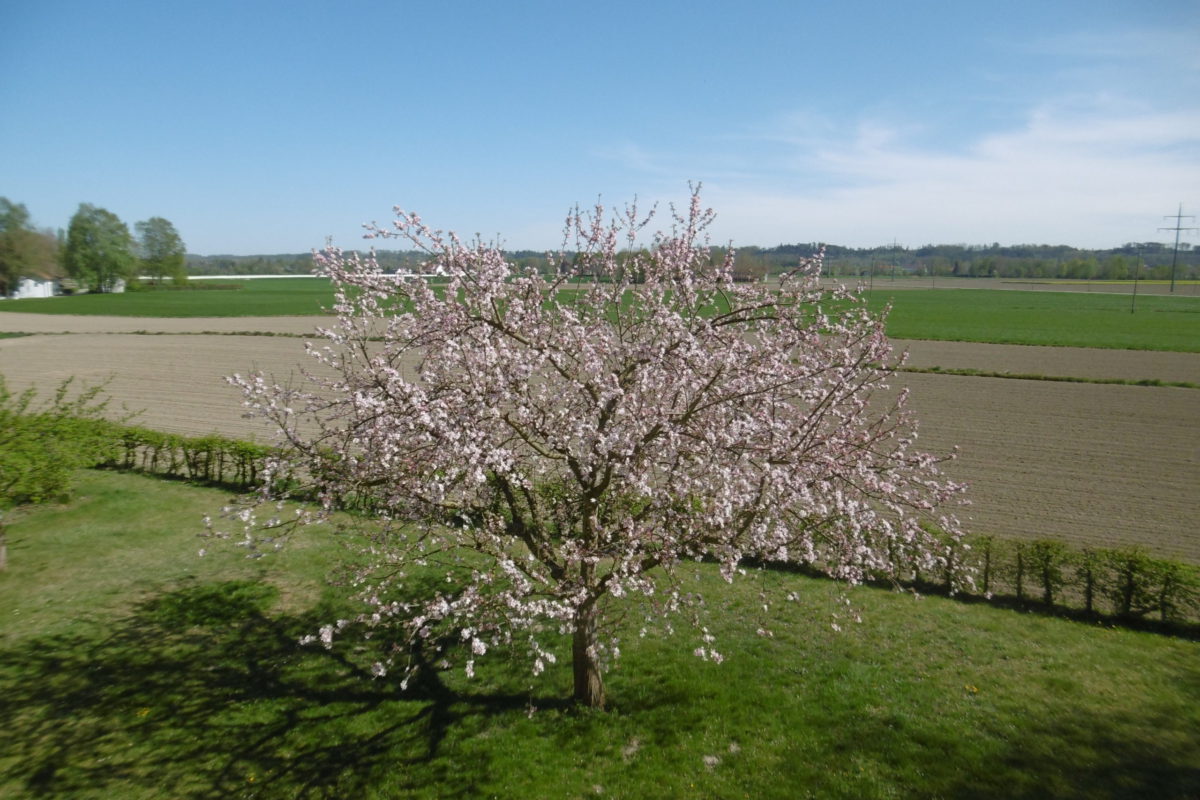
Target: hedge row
39,448
1125,582
209,459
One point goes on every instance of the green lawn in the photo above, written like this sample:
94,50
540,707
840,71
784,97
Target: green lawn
131,668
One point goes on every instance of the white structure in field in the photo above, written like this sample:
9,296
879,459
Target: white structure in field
35,287
34,284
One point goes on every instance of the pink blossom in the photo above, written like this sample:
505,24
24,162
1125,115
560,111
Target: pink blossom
585,439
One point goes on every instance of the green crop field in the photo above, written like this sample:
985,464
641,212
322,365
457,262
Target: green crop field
973,315
252,298
131,668
1064,319
1106,282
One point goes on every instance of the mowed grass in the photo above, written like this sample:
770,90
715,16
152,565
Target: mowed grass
131,668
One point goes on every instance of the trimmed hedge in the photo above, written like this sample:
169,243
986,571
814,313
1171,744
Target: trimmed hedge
207,459
1126,583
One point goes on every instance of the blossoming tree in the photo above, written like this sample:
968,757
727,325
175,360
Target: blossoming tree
559,444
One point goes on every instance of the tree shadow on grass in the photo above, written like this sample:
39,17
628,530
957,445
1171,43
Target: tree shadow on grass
1060,750
1091,757
199,693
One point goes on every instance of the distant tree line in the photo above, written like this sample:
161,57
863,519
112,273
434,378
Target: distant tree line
289,263
1029,262
1024,261
96,253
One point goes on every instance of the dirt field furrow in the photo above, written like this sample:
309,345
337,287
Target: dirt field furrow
177,383
1088,463
16,322
1071,362
1094,464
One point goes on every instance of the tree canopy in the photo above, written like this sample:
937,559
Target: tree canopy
161,250
99,249
556,449
24,251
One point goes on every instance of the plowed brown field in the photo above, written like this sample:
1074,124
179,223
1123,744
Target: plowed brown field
1087,463
16,322
1071,362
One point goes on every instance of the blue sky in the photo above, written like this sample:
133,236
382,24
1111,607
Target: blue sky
263,127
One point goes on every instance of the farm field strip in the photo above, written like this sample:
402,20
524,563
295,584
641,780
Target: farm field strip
176,382
1072,362
1043,318
1090,464
1069,362
883,283
1029,318
20,322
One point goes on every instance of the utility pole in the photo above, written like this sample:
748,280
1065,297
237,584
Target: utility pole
1137,271
1179,217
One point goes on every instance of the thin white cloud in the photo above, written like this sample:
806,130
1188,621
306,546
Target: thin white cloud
1092,153
1173,49
1085,179
1076,172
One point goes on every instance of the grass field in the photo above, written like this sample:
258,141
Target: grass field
1123,283
131,668
1070,319
975,315
275,297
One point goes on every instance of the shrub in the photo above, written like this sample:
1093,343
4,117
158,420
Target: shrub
1176,588
1047,560
40,446
1089,567
1129,580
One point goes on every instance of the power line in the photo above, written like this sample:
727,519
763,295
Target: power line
1179,217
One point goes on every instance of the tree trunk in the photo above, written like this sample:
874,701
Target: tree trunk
3,547
589,683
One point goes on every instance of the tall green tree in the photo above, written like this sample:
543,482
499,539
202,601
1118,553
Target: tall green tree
99,249
12,215
23,250
161,250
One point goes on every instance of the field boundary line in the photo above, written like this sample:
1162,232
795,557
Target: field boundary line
978,373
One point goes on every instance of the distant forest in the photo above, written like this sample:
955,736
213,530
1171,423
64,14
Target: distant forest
950,260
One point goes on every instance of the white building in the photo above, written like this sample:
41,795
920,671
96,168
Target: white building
33,284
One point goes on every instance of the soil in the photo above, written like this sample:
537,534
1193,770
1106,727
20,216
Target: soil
1091,464
1072,362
